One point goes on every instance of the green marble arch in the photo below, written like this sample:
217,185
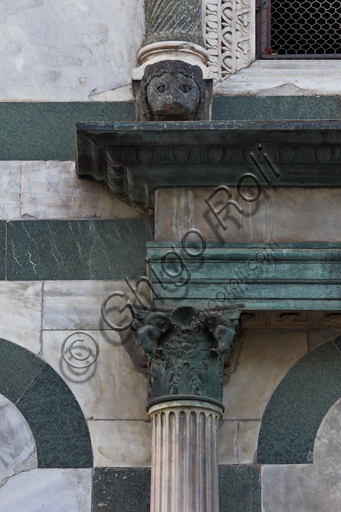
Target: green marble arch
52,412
298,406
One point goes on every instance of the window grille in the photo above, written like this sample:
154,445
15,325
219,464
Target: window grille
305,29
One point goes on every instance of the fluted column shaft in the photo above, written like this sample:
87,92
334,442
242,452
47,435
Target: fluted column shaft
184,457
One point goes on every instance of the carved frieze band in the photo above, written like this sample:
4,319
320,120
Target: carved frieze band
290,319
229,33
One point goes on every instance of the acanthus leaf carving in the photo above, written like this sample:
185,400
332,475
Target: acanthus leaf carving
185,349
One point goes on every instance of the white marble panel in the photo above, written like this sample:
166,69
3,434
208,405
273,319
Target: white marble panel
17,446
67,51
227,442
9,190
108,389
284,78
77,304
48,490
308,488
52,190
286,214
248,432
264,360
20,306
121,443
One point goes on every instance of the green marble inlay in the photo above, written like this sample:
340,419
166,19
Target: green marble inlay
39,250
47,131
128,490
57,423
179,20
121,490
239,489
276,107
18,369
298,406
50,409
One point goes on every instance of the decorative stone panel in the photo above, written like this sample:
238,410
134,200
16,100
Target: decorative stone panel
229,26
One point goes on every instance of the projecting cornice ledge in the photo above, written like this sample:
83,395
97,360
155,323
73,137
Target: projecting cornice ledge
135,159
264,277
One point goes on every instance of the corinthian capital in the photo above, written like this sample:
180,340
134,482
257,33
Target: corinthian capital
185,350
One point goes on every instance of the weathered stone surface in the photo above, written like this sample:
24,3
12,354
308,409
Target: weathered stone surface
121,490
53,490
285,214
264,360
320,336
248,432
180,20
52,190
57,422
108,389
46,130
10,190
283,78
172,90
76,305
124,490
70,51
227,442
17,446
40,250
240,489
308,488
21,303
237,441
298,406
121,444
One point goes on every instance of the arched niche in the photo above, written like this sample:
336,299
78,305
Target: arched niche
48,406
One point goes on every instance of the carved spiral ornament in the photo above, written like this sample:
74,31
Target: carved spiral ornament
229,35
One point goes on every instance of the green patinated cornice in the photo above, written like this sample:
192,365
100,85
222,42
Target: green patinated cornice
179,20
270,276
135,159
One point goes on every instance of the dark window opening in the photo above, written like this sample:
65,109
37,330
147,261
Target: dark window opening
307,29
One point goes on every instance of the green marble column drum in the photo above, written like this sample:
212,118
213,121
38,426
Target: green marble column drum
180,20
185,350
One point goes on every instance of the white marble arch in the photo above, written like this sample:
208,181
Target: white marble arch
24,487
18,452
309,487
